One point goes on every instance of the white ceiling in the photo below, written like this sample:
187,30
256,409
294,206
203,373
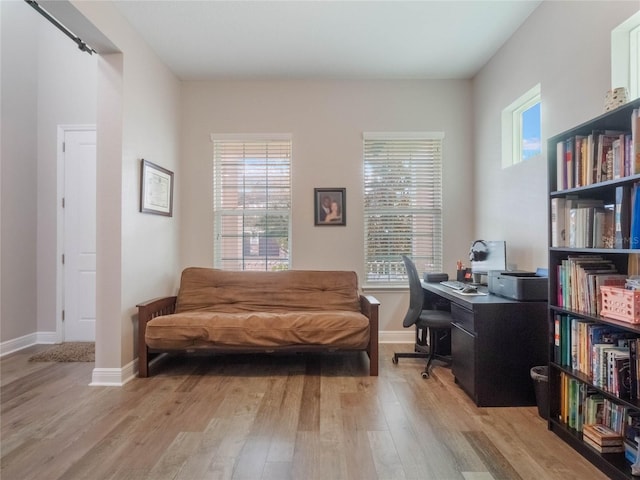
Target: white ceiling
362,39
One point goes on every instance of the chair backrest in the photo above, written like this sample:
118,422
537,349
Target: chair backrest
416,295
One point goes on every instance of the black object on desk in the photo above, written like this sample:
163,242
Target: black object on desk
495,342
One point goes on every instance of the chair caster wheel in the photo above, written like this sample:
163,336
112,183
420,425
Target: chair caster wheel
394,360
425,375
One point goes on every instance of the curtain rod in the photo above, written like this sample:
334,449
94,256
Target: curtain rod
81,45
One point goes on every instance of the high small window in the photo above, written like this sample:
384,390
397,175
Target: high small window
625,56
521,129
251,202
402,204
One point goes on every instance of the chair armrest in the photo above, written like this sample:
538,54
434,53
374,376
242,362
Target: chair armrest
369,307
147,311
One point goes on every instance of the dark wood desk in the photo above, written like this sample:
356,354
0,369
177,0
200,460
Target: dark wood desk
494,343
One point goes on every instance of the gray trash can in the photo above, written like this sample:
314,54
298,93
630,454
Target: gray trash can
540,377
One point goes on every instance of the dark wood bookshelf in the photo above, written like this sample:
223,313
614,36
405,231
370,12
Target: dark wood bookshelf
614,465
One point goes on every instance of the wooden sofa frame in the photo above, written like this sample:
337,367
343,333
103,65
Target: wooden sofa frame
369,307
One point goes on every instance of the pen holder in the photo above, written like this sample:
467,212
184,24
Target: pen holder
463,275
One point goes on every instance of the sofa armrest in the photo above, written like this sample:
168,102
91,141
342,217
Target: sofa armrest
147,311
369,307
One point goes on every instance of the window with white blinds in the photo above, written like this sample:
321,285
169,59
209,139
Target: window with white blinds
402,204
251,202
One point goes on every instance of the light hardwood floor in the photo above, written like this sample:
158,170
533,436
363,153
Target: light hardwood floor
258,417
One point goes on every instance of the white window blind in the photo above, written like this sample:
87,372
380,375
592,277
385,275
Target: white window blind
252,202
402,204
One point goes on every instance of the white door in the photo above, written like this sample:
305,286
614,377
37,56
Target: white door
79,267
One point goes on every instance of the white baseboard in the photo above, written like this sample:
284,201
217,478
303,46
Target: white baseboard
20,343
397,336
114,377
48,337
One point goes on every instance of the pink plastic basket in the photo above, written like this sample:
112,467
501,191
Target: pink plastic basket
620,304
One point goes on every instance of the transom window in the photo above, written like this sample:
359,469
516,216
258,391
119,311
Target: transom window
402,204
521,129
625,56
252,201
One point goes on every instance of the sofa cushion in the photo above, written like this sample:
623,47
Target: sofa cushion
207,289
336,329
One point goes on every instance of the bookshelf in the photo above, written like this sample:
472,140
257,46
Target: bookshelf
591,201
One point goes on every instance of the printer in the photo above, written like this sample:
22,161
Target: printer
519,285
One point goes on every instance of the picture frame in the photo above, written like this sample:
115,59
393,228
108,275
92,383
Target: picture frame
330,206
156,189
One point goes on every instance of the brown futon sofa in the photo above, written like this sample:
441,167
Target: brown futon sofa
234,312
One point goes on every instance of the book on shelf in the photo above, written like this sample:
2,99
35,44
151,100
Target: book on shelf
569,161
628,153
618,381
581,214
591,166
600,363
604,353
603,227
632,427
634,229
601,434
620,149
622,216
558,216
633,369
594,408
561,168
617,153
630,451
602,152
633,264
579,278
602,155
556,338
635,134
622,379
603,449
582,223
573,404
580,160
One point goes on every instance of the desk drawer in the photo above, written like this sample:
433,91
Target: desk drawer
463,354
463,317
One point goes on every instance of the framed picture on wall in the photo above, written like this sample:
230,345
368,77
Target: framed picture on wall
156,189
330,206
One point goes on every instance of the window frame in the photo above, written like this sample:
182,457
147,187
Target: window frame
512,127
217,208
625,53
393,273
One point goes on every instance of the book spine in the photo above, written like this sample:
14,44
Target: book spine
622,216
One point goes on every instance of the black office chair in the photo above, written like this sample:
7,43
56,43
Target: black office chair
432,325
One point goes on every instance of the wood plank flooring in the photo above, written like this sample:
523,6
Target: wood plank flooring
298,417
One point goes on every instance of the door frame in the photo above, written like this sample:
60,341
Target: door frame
61,130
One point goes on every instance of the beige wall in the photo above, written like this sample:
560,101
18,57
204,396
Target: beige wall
18,172
566,47
326,120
